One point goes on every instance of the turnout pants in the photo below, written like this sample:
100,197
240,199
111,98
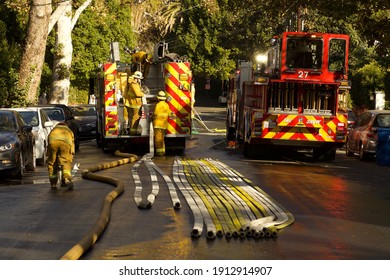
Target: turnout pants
59,153
134,115
159,144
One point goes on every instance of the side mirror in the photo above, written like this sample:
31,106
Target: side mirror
26,128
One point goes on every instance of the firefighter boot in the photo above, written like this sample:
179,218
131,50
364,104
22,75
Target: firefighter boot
69,183
53,184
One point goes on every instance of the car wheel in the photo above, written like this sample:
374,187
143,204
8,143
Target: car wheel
19,170
348,153
362,153
42,161
31,166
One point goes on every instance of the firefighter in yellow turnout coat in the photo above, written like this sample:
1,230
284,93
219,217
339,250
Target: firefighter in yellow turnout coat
133,101
160,122
60,152
144,60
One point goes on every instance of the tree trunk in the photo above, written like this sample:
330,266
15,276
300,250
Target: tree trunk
62,58
63,52
34,51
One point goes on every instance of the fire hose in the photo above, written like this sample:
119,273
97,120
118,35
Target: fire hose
235,205
152,168
199,210
183,185
226,214
256,209
283,218
91,237
201,122
237,208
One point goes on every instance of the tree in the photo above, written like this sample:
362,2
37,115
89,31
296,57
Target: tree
34,49
99,25
64,51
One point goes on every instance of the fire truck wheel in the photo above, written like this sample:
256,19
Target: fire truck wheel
98,140
326,154
330,154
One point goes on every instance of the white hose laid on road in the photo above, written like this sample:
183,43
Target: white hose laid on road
234,205
182,184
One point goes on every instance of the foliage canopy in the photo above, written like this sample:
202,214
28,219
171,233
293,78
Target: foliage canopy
214,34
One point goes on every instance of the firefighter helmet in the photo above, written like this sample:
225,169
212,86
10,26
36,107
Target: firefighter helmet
148,58
161,95
138,75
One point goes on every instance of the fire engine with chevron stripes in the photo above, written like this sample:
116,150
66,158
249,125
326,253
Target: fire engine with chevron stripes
296,98
162,71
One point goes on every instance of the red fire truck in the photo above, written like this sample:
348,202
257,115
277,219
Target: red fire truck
298,99
168,72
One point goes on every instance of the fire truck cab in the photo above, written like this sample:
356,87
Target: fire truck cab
298,99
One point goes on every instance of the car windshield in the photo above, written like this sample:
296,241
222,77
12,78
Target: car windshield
55,114
382,121
84,111
30,117
7,122
304,53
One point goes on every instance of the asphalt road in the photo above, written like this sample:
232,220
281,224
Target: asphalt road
340,209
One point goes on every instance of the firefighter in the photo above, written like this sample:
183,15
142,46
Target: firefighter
160,122
60,152
144,60
133,101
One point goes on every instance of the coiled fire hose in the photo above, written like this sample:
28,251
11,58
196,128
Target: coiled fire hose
91,237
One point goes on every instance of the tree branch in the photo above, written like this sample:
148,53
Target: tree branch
57,14
79,11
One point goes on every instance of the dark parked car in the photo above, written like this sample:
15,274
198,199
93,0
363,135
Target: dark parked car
16,144
362,137
86,117
62,113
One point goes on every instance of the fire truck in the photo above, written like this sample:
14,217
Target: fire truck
296,100
167,71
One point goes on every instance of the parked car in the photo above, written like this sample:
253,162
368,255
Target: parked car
362,137
351,119
62,113
16,144
41,127
86,116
